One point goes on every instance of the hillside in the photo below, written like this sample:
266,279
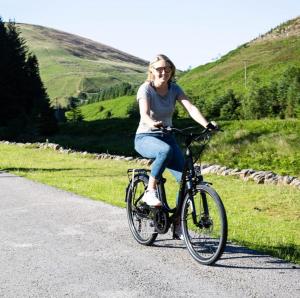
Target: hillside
70,63
269,144
265,57
115,108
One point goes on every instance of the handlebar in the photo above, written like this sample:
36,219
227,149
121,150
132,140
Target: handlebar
202,137
185,131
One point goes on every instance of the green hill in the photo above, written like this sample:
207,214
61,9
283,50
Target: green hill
269,144
113,108
266,58
70,63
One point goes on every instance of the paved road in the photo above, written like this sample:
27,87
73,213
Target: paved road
56,244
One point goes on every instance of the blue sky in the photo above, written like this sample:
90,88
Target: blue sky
190,32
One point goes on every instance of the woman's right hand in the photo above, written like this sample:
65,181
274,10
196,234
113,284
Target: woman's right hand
158,124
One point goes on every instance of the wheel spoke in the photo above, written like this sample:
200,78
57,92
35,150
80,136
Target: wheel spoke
204,225
138,213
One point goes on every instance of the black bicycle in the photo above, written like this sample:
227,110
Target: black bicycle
199,208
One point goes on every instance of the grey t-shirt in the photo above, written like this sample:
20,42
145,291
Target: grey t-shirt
161,107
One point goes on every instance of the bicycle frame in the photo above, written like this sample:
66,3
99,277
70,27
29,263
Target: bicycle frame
186,184
199,210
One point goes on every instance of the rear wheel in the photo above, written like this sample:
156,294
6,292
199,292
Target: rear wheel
138,213
204,225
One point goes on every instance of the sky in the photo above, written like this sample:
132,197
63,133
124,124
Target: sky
189,32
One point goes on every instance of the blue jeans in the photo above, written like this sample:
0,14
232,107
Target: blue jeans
164,151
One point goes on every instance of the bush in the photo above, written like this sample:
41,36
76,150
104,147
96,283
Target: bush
108,114
74,113
133,111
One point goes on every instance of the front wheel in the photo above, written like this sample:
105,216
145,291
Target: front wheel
204,224
138,213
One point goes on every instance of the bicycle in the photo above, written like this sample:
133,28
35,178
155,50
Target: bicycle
200,209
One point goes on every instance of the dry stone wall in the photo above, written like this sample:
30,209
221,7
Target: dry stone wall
260,177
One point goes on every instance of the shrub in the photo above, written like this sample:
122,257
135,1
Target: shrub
133,110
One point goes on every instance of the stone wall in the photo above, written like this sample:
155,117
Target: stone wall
260,177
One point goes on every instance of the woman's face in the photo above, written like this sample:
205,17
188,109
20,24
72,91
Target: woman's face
161,71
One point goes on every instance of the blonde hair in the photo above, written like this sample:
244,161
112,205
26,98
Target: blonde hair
160,57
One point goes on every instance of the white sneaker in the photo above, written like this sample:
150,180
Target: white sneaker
151,199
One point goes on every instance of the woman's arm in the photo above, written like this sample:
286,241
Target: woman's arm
193,111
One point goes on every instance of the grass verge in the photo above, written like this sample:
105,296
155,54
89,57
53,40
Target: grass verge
262,217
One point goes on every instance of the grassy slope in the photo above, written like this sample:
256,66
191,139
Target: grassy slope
255,218
117,107
266,58
259,144
67,61
267,144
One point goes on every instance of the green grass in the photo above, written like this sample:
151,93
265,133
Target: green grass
98,179
262,217
117,107
267,144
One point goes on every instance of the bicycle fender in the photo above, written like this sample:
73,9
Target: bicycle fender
127,191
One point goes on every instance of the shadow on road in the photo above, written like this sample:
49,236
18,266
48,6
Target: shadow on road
233,253
259,260
169,243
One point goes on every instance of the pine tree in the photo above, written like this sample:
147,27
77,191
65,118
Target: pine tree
13,58
39,104
74,114
25,107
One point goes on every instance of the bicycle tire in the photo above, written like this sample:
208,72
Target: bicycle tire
140,224
205,235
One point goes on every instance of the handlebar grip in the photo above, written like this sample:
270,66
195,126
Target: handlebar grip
157,129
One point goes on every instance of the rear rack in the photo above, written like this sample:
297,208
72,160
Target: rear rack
132,172
138,171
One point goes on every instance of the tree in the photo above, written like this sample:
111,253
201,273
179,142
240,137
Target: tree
43,114
133,110
25,108
74,113
288,92
293,99
225,107
230,110
257,102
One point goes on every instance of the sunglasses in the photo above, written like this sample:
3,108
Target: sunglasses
167,69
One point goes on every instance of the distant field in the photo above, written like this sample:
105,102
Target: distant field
117,107
66,62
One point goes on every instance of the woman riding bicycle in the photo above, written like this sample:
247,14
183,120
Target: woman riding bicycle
157,97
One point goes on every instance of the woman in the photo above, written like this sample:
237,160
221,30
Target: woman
157,97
